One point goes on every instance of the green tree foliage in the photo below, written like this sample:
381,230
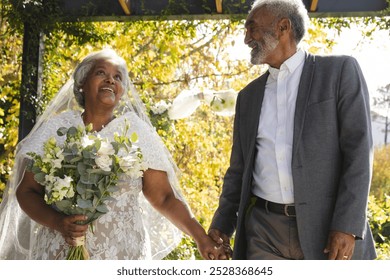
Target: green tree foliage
379,202
380,185
10,75
378,215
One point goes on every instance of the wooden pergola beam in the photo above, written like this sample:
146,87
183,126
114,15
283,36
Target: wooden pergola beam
218,5
125,4
313,6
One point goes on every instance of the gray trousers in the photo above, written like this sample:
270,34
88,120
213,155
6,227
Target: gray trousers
271,236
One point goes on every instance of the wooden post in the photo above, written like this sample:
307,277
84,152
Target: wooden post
31,79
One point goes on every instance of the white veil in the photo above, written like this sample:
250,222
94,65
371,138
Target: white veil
16,227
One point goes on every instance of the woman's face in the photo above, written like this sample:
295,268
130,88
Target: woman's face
103,87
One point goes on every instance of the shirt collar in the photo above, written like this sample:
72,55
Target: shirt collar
290,64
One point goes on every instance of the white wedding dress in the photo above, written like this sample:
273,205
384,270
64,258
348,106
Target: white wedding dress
131,229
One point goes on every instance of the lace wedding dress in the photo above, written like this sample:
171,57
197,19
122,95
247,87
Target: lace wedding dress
131,229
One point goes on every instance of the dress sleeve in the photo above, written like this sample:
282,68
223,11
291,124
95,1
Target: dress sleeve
154,152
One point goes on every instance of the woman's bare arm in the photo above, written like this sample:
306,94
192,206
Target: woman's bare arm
30,196
158,191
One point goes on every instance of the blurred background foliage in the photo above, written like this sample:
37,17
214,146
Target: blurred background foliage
164,58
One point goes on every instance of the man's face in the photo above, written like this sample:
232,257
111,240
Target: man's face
260,35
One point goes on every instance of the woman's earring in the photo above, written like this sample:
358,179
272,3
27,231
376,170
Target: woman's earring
80,90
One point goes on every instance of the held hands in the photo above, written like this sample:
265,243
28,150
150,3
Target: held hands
340,246
222,240
211,250
70,230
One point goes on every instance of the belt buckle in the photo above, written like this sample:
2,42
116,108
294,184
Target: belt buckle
286,210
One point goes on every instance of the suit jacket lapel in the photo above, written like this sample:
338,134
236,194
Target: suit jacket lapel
301,103
251,124
255,114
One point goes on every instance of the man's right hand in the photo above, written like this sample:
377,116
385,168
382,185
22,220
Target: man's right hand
221,239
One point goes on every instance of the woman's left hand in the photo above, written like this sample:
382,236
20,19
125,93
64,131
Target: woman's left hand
158,191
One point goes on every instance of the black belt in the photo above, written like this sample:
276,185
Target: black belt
283,209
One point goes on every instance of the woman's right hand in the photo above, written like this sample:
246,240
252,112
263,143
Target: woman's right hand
31,195
71,228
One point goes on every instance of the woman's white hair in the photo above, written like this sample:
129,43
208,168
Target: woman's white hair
294,10
88,63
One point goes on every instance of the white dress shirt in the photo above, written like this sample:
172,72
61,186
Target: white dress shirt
272,175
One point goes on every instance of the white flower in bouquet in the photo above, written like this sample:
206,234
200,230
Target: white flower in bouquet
87,140
103,156
58,188
104,162
106,149
81,175
131,166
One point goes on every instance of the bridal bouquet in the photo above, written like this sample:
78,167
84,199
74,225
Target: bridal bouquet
81,175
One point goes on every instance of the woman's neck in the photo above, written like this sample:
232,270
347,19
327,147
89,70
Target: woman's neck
98,121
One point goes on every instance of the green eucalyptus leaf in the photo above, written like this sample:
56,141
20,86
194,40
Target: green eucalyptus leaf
69,166
74,149
112,189
72,131
62,205
97,215
90,179
79,211
98,171
89,194
88,154
62,131
81,188
81,168
102,208
108,198
36,169
83,204
40,177
75,159
115,145
101,187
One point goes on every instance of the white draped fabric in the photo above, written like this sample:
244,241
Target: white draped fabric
130,230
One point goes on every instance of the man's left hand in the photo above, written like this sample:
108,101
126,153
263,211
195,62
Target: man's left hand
340,246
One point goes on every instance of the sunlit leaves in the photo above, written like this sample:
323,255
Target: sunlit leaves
164,58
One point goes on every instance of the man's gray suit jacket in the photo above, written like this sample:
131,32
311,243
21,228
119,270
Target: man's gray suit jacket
331,160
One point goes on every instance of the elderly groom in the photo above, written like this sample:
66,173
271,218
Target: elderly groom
301,160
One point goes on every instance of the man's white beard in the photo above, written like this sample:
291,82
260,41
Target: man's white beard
259,54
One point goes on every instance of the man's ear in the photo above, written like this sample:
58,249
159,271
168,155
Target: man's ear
284,25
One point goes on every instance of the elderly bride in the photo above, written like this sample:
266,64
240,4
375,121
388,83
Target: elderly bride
100,93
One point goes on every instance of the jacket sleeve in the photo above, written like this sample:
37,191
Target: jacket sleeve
356,145
225,217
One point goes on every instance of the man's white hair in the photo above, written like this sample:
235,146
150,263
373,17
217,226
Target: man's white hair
294,10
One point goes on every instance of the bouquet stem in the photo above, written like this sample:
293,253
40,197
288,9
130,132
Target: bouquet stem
78,252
